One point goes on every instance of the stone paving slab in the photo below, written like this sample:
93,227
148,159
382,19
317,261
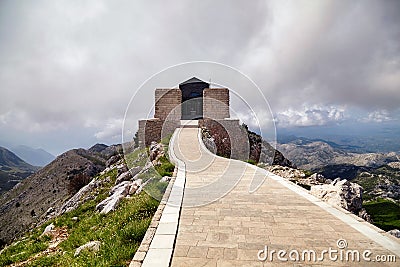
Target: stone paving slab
231,230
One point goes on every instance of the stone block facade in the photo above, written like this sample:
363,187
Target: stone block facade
168,113
166,101
216,103
149,130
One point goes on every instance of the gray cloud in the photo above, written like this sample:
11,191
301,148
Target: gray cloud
73,65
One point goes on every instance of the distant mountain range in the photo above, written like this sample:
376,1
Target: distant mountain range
33,156
316,153
377,173
13,169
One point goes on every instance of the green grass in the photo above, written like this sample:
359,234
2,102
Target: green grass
166,168
22,250
136,158
384,213
251,161
120,233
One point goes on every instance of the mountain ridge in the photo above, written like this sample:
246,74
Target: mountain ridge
13,169
33,156
27,203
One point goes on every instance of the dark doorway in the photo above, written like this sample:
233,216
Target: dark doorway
192,98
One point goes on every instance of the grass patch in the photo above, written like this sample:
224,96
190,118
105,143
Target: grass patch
251,161
22,250
120,233
166,168
138,157
384,213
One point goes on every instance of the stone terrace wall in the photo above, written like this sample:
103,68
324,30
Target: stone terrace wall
165,102
149,130
231,131
216,103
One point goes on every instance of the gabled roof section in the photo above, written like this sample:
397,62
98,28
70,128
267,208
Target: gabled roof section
192,80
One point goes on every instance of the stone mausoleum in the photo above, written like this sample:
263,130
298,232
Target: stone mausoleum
194,100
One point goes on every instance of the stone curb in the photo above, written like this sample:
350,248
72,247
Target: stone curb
158,243
148,237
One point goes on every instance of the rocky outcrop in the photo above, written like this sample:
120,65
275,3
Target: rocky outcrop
117,193
297,175
395,232
156,151
83,195
342,193
93,246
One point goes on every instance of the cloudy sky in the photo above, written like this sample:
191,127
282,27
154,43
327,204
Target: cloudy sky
69,68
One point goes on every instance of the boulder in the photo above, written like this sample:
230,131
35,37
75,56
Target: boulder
166,179
341,193
135,186
48,229
114,159
364,215
156,151
77,199
93,246
395,232
121,169
123,177
117,193
136,170
50,211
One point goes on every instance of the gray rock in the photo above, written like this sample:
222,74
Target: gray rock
156,151
79,197
114,159
50,211
117,193
121,169
395,232
135,186
135,170
166,179
341,193
93,246
364,215
48,229
123,177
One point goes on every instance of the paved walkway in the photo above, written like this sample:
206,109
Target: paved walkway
232,229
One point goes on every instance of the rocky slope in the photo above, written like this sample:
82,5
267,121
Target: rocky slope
30,201
102,223
12,169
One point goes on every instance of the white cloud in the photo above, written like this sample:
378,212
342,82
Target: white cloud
66,63
111,131
377,116
314,115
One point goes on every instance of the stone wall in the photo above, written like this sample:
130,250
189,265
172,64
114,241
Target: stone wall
216,103
166,101
230,138
149,130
